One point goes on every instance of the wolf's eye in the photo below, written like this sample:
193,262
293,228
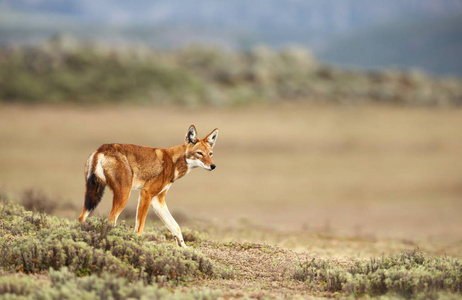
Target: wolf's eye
211,153
200,153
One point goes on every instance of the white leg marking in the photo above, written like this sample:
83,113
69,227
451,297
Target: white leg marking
86,214
136,218
164,214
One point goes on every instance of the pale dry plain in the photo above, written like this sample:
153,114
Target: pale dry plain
364,172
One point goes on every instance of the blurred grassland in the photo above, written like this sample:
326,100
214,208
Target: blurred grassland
334,162
65,70
371,172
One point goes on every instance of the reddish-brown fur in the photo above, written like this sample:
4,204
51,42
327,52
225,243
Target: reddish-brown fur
124,167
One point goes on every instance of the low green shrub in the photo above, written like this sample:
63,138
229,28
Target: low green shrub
64,284
406,275
35,242
13,287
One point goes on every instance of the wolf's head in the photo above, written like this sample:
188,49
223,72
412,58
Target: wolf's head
199,152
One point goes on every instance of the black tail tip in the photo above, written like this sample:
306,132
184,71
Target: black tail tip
94,193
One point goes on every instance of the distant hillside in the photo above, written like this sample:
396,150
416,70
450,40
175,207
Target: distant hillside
65,70
433,44
324,26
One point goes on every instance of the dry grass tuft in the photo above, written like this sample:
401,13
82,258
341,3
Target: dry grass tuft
37,200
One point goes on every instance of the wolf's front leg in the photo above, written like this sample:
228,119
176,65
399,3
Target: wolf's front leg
161,209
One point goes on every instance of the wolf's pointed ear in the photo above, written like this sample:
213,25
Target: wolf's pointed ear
191,135
212,137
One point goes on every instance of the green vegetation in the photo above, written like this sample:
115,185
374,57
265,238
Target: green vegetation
65,70
34,242
63,284
45,257
406,275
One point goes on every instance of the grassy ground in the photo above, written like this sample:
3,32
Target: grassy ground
293,182
44,257
373,172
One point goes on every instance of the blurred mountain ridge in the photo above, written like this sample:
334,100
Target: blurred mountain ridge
325,26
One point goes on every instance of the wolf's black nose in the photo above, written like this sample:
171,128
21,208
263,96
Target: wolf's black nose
212,167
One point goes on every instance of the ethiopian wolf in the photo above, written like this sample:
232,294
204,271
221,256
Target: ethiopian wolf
125,167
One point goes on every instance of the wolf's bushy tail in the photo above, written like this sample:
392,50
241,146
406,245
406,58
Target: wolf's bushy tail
94,192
